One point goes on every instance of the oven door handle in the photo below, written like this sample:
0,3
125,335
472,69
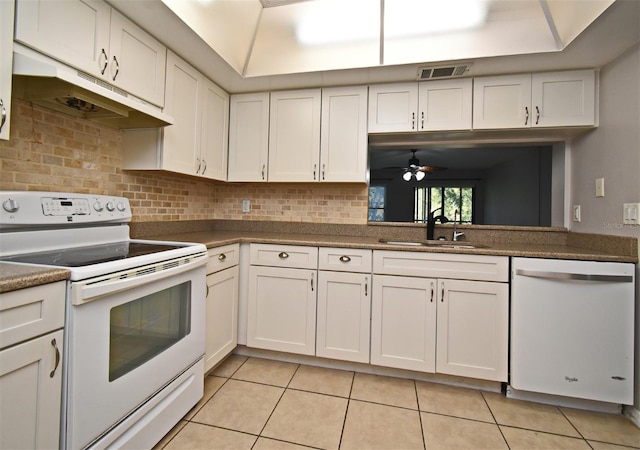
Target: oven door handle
93,289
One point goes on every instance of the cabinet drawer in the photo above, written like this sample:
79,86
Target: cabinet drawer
221,258
30,312
284,256
344,259
441,265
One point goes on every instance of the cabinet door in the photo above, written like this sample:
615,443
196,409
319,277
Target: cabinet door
563,98
75,31
181,142
136,60
31,391
343,139
282,309
221,327
393,107
473,329
248,137
6,62
344,308
502,102
294,135
214,131
445,105
403,322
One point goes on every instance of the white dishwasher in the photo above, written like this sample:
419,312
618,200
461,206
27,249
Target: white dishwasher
572,328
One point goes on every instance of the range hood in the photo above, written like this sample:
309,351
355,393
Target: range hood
49,83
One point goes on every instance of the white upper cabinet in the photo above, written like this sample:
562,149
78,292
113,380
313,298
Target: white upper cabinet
196,143
92,37
343,136
294,135
427,106
6,62
540,100
248,137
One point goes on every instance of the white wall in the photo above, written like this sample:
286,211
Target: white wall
612,152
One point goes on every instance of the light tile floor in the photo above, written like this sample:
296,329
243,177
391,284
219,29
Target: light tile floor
258,404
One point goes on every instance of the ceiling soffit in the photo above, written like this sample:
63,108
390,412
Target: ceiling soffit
262,38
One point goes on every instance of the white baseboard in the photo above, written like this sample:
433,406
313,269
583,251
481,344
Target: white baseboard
633,414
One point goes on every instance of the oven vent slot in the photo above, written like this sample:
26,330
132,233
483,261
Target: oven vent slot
146,271
172,264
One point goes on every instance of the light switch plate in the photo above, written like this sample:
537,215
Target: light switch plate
246,206
576,213
630,213
599,187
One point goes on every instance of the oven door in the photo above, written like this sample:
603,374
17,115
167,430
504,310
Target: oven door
127,339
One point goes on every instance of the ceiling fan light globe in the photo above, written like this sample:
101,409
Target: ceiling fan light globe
420,176
406,176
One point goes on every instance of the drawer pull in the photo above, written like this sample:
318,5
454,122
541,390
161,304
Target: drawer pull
283,255
366,286
222,257
55,347
345,259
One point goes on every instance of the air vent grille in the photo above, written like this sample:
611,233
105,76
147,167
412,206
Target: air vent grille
430,73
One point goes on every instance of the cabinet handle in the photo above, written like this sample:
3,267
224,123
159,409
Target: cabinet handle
315,166
263,169
55,347
106,61
311,281
3,114
442,294
366,286
199,165
413,121
432,291
207,294
422,117
537,115
526,115
115,60
204,168
222,257
345,259
323,171
283,255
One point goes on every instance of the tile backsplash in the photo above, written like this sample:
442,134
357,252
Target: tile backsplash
51,151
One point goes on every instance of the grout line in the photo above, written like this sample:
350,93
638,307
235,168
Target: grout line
424,437
495,420
346,411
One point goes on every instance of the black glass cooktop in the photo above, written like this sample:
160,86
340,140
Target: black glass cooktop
92,254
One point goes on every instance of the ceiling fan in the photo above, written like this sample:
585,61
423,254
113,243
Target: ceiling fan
415,170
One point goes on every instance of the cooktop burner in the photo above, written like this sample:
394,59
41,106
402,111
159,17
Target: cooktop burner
92,254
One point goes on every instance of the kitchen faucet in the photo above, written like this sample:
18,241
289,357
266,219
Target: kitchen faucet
456,234
431,222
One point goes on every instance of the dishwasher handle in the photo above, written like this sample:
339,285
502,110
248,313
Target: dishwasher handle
575,276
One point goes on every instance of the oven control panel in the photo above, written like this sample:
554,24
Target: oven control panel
29,208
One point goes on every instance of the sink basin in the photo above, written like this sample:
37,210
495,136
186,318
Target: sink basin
439,244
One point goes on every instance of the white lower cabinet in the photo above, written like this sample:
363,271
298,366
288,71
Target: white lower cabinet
31,337
423,321
222,304
344,304
282,298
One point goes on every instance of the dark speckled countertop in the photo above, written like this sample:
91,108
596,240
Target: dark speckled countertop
19,276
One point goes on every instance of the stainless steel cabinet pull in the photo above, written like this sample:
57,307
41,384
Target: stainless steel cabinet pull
115,60
283,255
315,166
55,347
366,286
323,171
222,257
537,115
526,115
207,294
422,117
204,168
263,169
413,121
432,292
199,165
345,259
575,276
442,294
106,61
3,113
312,282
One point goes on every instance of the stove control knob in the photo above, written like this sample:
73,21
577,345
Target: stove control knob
121,207
110,207
11,205
98,206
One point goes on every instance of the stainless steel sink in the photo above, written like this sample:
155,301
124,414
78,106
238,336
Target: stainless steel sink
439,244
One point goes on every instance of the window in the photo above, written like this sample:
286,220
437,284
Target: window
376,203
449,198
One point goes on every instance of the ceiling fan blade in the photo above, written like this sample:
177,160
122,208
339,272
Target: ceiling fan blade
428,168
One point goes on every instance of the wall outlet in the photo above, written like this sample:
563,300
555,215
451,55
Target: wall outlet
576,213
630,214
599,187
246,206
